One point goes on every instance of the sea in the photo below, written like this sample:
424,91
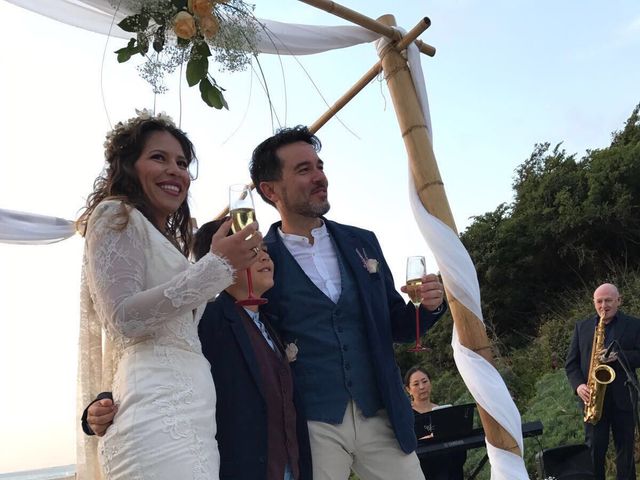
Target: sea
65,472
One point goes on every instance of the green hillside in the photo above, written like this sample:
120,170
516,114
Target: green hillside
573,224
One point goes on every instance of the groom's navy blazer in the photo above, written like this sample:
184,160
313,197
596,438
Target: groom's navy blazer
241,413
387,317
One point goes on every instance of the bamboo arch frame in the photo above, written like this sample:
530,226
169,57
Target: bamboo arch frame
424,168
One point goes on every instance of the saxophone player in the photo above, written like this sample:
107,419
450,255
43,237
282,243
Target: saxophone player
622,334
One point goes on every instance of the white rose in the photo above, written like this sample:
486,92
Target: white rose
372,265
291,351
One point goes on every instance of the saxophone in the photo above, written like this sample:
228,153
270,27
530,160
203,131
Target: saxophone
600,375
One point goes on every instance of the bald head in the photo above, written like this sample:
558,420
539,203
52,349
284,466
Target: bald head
606,300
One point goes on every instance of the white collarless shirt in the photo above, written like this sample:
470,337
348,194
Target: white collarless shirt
319,260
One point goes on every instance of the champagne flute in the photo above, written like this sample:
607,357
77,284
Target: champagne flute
243,213
416,269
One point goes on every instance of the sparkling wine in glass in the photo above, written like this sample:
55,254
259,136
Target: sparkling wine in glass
243,213
416,269
241,217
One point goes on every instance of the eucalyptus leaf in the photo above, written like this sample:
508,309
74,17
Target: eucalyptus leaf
201,49
211,95
204,91
218,101
224,100
123,54
127,52
131,23
197,70
143,21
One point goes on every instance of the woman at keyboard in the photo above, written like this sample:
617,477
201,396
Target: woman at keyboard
447,466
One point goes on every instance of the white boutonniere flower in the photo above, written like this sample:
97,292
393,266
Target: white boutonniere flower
371,265
291,351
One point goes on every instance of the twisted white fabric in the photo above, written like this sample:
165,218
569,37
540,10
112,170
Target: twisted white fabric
454,263
459,275
33,229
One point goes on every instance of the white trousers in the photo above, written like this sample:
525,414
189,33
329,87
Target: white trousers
366,445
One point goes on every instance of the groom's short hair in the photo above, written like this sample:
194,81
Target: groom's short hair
265,165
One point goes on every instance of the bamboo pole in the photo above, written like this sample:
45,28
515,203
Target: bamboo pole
410,36
430,188
366,22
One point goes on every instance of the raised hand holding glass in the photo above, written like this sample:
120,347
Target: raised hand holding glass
243,213
416,269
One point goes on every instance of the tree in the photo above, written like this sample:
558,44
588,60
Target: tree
570,223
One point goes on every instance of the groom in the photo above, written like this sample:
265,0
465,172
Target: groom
334,296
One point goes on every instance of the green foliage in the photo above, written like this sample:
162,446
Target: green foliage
125,53
571,223
197,69
134,23
212,95
229,27
556,406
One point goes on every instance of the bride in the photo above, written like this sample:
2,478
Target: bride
141,301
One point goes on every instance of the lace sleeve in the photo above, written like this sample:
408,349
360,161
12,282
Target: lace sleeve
117,274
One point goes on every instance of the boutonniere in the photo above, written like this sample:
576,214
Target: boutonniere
291,351
370,264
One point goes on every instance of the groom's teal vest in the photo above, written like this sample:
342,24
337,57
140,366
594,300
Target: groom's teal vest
333,363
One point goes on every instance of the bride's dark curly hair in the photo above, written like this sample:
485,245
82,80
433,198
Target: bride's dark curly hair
119,180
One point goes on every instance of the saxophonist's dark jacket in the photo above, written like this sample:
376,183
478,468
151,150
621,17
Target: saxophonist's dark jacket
626,332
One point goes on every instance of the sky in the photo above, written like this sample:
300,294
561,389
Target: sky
507,75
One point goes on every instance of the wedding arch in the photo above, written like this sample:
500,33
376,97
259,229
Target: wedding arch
399,63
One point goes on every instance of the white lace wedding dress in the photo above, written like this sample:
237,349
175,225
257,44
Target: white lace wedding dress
141,301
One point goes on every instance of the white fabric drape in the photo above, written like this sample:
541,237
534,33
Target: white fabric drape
459,275
275,37
458,272
32,229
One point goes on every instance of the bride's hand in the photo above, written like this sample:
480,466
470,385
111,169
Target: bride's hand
100,415
240,249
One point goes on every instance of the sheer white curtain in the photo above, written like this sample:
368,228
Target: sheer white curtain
276,37
32,229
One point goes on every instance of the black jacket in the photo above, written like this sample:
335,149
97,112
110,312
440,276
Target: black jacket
627,334
241,413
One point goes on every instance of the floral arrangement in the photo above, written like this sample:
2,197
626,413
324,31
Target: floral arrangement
141,116
190,31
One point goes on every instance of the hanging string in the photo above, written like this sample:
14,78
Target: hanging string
180,93
104,56
265,87
271,36
244,115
